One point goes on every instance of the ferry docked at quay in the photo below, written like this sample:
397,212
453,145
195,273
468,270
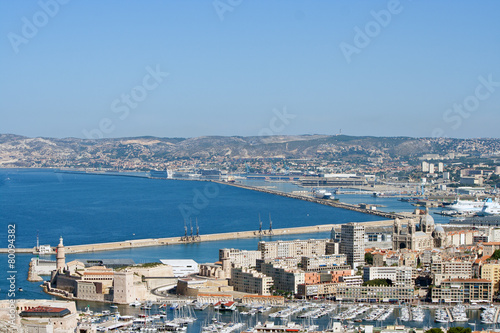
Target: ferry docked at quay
486,207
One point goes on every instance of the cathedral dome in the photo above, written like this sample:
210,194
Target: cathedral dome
439,229
427,220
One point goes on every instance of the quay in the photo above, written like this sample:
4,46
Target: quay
138,243
326,202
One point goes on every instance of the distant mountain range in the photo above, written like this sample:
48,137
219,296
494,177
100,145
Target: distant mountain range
20,151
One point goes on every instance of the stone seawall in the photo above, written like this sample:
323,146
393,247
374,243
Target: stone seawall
138,243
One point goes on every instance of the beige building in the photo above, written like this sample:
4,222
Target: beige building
123,287
284,278
326,289
212,271
378,294
193,286
250,281
463,290
490,247
97,274
240,258
325,262
491,271
295,248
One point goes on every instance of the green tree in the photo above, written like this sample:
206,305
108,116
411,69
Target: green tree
459,329
495,255
369,258
378,282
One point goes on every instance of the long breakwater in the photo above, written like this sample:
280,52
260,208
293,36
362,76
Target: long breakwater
326,202
138,243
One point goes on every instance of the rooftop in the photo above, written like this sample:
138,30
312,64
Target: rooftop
45,311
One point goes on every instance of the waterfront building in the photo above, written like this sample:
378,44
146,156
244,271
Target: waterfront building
375,294
250,281
325,262
123,287
284,278
322,289
214,298
399,275
193,286
352,243
263,300
463,290
182,267
97,274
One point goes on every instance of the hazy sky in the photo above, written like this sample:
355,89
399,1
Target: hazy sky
241,67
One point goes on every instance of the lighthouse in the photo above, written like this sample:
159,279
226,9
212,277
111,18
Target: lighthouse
60,256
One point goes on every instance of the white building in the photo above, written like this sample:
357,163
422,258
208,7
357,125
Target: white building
425,166
399,275
352,243
182,267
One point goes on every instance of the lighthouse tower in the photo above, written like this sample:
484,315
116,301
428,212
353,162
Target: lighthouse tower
60,256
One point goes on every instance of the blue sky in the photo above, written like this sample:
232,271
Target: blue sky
235,67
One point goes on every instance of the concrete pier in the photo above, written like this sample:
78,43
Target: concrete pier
138,243
326,202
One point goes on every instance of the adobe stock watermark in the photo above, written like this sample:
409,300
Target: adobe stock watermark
363,37
11,272
128,101
201,200
455,115
278,123
30,26
223,6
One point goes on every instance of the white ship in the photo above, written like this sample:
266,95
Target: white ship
466,206
487,207
322,194
490,207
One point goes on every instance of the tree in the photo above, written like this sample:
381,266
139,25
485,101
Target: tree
369,258
459,329
495,255
378,282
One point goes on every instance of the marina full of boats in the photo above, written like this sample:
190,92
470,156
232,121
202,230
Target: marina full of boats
296,316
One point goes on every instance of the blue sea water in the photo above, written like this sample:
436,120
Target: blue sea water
87,208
